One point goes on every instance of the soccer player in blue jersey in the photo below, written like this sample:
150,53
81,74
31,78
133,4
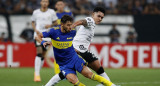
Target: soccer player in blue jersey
60,11
60,5
66,56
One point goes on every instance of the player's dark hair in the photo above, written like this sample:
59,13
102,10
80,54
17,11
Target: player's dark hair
66,18
99,9
59,0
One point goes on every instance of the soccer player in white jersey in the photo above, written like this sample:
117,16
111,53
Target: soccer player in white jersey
42,20
82,41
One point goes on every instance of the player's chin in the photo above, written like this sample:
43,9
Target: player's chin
97,22
68,31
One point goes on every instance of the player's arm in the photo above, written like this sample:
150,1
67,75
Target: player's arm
34,27
54,20
54,23
80,22
39,39
33,18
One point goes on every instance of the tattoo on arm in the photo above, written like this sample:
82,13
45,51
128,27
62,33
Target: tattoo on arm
54,23
84,22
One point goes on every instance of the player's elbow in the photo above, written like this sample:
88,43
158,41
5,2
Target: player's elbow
37,38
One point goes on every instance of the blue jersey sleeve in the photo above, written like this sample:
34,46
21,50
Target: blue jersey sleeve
48,34
70,13
74,33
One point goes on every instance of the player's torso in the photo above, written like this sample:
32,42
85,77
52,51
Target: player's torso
62,40
84,37
62,46
42,19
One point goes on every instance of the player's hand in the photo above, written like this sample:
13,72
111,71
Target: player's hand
46,43
73,26
37,31
47,26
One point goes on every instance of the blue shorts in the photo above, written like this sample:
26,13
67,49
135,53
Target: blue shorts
74,65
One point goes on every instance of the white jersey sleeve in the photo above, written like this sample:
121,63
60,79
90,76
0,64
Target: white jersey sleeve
84,35
90,22
33,18
54,18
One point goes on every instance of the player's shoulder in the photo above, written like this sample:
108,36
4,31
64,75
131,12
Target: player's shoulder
51,10
73,31
67,11
89,19
36,11
56,27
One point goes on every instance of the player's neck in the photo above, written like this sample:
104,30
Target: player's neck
60,11
93,18
44,9
62,30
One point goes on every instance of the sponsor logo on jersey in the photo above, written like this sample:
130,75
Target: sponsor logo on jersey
61,44
69,38
58,38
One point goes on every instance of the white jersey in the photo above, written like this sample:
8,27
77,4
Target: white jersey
42,19
84,35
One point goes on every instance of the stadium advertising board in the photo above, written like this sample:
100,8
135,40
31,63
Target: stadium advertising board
17,54
139,55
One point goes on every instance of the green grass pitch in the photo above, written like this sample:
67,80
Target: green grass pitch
123,77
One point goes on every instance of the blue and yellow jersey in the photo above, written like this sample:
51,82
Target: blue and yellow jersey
60,15
62,44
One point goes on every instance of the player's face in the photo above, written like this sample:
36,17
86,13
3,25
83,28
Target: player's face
98,16
60,5
67,26
44,3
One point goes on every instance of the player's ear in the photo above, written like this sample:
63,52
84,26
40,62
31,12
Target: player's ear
62,24
93,13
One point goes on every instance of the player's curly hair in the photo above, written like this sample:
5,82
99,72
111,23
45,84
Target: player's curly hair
99,9
66,18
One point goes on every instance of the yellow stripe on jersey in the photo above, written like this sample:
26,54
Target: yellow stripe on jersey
56,27
83,60
67,11
59,21
61,44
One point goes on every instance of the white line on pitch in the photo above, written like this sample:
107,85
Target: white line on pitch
156,82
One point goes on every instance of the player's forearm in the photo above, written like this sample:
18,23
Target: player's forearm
54,23
80,22
33,25
39,37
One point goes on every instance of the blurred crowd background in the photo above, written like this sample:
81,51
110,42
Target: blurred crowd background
126,21
79,7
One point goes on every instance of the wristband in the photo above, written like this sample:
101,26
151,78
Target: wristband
42,42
